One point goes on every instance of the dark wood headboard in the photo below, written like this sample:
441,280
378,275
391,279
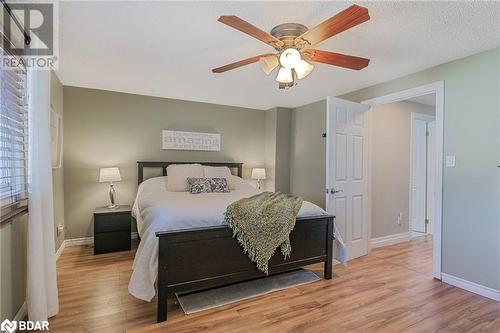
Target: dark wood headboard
141,165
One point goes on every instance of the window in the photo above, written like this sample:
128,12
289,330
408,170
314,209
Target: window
13,142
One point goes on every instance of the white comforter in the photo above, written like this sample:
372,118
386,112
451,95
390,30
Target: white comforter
156,209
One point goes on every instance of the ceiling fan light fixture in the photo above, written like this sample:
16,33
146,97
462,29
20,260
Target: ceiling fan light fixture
289,58
269,63
293,44
284,75
303,69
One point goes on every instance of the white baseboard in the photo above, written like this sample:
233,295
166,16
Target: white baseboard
473,287
90,240
79,241
390,240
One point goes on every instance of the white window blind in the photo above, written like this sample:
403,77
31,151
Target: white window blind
13,141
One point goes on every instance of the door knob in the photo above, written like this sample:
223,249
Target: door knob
333,191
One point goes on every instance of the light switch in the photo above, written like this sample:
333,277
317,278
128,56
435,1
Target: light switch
450,161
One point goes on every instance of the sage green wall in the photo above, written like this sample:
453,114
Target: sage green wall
270,150
56,102
308,149
471,198
103,128
277,151
390,166
283,149
12,266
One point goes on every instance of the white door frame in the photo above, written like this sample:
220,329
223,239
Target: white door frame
436,88
427,118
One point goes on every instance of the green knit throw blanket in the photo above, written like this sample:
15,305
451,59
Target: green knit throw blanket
262,223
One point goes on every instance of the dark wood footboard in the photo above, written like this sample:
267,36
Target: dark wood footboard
203,258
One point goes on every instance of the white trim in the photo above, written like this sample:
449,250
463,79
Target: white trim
406,94
79,241
390,240
417,235
438,89
60,249
21,314
473,287
89,240
369,180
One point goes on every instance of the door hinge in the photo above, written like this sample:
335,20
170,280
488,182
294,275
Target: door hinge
426,221
427,133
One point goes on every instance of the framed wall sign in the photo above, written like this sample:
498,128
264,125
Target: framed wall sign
177,140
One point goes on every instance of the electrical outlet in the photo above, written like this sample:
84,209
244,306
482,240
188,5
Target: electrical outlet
400,218
60,229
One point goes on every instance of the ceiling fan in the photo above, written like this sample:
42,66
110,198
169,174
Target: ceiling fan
293,42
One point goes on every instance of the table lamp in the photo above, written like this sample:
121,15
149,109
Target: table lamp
259,174
110,175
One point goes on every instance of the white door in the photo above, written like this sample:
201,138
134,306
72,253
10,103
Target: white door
347,172
431,166
422,174
419,176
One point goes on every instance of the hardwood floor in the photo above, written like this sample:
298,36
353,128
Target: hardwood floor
389,290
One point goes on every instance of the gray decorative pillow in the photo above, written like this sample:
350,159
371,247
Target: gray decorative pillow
199,185
219,185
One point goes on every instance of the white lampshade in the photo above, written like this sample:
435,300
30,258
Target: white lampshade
258,173
269,63
284,75
109,175
289,58
303,69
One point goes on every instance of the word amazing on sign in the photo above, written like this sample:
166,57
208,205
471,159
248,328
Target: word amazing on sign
176,140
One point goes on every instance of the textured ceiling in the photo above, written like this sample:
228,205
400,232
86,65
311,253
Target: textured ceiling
168,48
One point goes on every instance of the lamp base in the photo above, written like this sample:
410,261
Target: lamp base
112,197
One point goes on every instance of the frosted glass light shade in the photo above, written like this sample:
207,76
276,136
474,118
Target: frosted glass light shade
284,75
289,58
258,173
269,63
109,175
303,69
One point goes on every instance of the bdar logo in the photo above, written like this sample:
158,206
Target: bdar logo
8,326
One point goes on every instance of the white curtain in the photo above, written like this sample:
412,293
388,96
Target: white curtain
42,300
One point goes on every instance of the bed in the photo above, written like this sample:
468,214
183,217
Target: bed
185,246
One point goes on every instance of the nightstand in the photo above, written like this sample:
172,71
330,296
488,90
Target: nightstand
112,228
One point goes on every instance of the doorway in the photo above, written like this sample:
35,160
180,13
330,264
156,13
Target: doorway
348,170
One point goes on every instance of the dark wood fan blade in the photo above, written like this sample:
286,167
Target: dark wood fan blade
344,20
243,26
336,59
240,63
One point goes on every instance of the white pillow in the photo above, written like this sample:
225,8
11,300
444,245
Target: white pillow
178,175
220,172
